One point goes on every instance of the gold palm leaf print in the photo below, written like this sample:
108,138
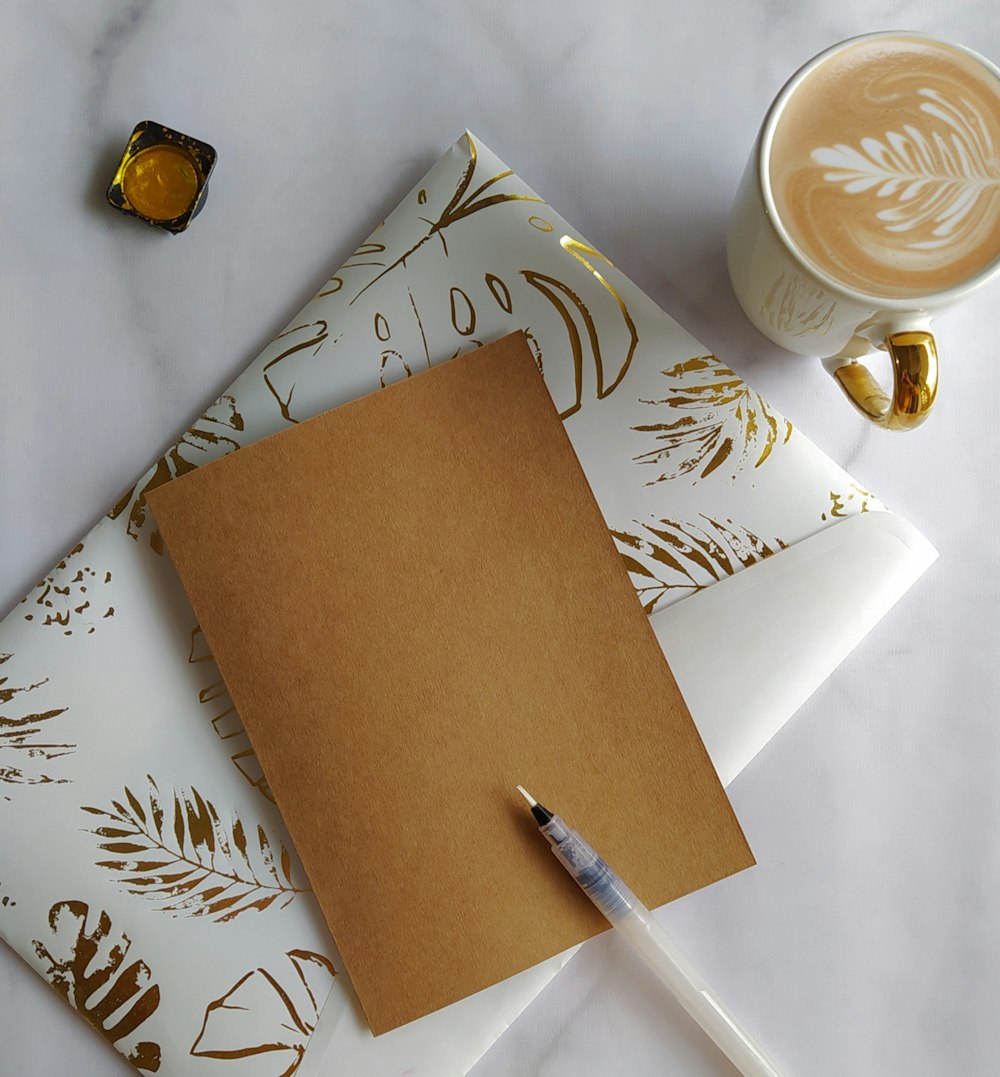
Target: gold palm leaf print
268,1012
208,439
25,742
90,969
671,559
187,861
715,418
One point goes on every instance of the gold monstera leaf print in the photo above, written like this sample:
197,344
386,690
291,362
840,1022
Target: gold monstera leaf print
27,741
225,721
187,860
712,419
88,964
268,1012
211,437
608,359
671,559
465,201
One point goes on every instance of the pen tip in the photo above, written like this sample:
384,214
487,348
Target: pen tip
527,796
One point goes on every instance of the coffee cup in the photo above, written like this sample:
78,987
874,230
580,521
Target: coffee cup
871,202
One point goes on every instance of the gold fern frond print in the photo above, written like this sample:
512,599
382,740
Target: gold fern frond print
208,439
187,861
89,966
27,741
268,1012
715,419
671,559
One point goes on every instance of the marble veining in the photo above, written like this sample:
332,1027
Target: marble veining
871,815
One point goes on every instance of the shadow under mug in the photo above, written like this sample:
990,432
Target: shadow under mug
801,308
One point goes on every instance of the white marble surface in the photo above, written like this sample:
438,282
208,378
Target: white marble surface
867,941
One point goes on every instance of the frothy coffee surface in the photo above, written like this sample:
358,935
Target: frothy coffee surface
885,166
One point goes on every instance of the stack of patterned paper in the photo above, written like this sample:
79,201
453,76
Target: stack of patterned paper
145,872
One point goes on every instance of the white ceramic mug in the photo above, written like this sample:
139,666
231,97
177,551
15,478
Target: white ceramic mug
796,304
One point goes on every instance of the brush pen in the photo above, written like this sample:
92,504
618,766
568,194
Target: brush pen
635,922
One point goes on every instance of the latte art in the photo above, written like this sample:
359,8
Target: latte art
885,166
938,182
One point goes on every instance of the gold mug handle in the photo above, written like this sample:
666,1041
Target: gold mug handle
915,380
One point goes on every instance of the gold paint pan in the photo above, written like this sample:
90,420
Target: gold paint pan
162,177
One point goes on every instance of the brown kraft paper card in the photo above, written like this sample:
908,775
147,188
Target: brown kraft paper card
416,604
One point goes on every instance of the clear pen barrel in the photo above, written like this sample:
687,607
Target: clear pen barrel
604,888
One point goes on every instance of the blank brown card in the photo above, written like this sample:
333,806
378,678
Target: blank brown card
416,604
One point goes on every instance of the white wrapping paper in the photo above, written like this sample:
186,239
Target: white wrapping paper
144,870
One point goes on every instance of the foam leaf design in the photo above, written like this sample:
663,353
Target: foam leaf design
929,183
268,1012
187,860
89,966
26,744
671,559
713,419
